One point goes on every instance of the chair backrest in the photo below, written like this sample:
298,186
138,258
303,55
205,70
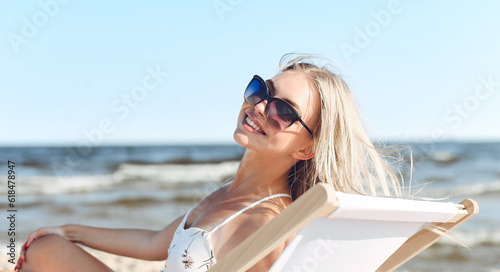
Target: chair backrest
342,232
361,234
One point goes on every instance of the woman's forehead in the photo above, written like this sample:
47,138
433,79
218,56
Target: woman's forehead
294,86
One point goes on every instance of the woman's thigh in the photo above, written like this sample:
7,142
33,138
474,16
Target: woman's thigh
54,253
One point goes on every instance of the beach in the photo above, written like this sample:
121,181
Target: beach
150,186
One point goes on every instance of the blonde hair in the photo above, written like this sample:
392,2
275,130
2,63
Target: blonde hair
344,157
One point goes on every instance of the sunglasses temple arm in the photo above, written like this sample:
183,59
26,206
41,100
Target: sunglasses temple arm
304,124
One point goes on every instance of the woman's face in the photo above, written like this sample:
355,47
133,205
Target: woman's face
290,86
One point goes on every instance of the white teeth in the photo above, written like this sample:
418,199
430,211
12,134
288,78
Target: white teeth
252,124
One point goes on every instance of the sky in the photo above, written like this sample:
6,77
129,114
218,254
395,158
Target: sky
173,72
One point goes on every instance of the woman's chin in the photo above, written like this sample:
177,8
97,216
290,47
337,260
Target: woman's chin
240,138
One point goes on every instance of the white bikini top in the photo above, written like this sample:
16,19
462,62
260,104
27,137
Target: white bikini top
191,249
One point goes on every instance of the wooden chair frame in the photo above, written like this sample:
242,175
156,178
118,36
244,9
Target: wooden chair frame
321,201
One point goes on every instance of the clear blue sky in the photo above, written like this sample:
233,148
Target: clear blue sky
416,68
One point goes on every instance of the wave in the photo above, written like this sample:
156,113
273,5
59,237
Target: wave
476,238
445,157
469,190
51,185
177,173
138,177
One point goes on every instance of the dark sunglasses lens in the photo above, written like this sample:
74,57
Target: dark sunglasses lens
255,92
280,115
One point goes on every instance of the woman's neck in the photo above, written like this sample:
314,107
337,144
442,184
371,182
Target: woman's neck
261,175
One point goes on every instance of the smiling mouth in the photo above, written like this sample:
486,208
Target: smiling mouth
254,125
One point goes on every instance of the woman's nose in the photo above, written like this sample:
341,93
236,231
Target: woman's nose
260,107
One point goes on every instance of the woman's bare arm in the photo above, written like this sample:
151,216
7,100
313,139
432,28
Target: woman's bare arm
134,243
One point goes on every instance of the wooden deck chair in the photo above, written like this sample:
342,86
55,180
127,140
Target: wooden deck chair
343,232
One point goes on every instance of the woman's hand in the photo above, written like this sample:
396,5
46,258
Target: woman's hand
43,232
35,235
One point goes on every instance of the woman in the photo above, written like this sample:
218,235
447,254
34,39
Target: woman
299,128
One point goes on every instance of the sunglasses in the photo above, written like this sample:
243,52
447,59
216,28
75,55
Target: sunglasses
279,114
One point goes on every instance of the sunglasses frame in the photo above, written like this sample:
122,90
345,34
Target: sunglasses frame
270,99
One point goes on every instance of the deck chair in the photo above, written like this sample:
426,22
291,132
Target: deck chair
344,232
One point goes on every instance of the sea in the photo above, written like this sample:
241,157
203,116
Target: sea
150,186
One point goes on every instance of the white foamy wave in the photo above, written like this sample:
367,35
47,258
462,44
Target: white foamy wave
474,239
472,189
444,157
158,174
52,185
177,173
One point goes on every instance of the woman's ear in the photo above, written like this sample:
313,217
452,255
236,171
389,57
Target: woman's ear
304,154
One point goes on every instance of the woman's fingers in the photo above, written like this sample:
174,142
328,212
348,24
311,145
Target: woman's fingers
32,237
42,232
21,258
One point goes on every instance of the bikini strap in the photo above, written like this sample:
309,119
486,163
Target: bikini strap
246,208
182,225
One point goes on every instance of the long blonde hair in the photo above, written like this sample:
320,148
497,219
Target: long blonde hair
344,155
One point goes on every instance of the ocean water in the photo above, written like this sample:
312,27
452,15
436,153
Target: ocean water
150,186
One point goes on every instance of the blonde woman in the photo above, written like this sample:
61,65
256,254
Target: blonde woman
299,128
